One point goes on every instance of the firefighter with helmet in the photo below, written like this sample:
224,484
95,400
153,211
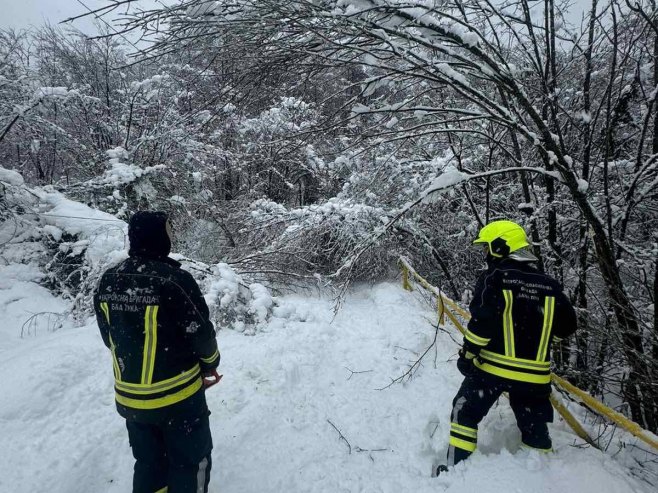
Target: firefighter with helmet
517,313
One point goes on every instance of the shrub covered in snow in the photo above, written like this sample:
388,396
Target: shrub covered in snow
73,244
234,303
315,239
70,242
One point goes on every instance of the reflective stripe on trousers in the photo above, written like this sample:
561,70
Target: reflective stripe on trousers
176,455
201,476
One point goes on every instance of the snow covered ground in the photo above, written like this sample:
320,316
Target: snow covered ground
59,432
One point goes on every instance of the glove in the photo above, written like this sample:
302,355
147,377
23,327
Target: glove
465,363
211,378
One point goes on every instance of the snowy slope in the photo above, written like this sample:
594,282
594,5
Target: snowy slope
59,432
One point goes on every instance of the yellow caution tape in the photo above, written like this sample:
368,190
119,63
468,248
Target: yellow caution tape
441,309
455,322
571,420
405,279
614,416
407,269
463,313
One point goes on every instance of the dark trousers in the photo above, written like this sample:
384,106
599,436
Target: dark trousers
171,458
478,392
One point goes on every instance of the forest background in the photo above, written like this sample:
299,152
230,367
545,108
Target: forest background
317,141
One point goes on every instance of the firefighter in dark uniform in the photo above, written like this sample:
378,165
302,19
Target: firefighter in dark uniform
517,312
155,322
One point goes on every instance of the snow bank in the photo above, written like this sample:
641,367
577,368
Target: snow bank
104,234
271,412
26,308
11,177
71,244
44,212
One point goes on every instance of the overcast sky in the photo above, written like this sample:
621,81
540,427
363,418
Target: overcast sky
26,13
23,13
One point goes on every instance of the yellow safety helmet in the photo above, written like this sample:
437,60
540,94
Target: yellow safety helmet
503,237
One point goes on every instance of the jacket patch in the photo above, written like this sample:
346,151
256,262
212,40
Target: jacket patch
132,299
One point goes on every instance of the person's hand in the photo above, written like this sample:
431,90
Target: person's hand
465,363
211,378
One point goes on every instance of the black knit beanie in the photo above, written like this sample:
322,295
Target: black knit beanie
147,232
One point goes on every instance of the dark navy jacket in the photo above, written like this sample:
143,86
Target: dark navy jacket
153,318
517,312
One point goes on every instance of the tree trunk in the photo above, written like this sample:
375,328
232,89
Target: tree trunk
583,336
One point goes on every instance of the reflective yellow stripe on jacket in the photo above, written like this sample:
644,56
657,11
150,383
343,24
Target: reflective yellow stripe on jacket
518,375
113,349
148,394
518,369
159,402
507,365
549,308
106,311
150,343
211,359
115,361
508,323
517,363
159,394
475,339
162,386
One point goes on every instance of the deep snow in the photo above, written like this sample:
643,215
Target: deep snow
59,432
